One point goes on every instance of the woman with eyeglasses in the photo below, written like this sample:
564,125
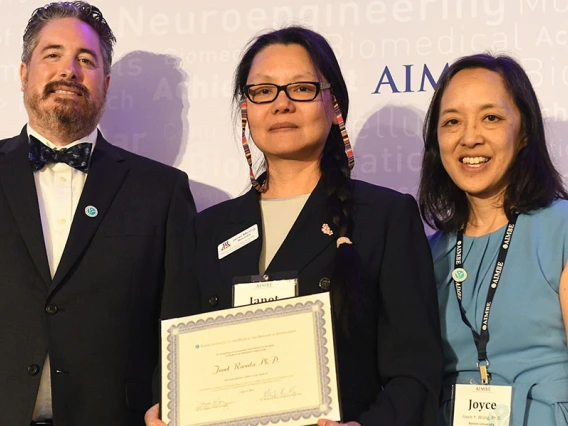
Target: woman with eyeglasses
363,243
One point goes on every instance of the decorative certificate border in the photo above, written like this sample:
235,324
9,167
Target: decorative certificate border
317,308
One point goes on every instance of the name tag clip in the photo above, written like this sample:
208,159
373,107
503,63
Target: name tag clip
483,372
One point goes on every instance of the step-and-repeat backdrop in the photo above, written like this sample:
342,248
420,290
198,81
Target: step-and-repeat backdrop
174,61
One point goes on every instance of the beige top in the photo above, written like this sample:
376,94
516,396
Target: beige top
278,216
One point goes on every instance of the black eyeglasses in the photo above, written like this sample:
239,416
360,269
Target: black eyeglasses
301,91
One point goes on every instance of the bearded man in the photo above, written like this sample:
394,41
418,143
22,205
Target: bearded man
92,240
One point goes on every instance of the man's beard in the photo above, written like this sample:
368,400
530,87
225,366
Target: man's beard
70,119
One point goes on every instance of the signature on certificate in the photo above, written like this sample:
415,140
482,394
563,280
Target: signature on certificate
276,393
212,405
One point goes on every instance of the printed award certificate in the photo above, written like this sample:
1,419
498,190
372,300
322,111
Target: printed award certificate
270,363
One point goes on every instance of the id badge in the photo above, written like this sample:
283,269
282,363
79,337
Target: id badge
238,241
475,405
264,288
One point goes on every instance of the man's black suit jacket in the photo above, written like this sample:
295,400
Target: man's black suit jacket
390,365
99,315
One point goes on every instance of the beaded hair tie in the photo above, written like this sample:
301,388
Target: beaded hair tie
344,135
260,188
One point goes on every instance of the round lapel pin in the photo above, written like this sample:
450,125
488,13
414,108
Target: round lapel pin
459,275
91,211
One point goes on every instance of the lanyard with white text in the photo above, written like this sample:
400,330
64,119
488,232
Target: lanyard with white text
459,275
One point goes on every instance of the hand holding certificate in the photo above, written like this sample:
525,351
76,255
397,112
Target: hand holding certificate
267,363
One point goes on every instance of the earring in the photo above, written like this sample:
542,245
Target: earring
260,188
344,135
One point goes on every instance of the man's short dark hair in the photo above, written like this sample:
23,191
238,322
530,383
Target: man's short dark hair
77,9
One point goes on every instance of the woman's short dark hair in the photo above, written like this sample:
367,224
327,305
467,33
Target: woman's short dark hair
334,163
533,181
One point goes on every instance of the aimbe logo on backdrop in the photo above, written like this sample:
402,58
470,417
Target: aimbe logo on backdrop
409,80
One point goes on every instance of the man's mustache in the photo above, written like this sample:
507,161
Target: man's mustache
58,85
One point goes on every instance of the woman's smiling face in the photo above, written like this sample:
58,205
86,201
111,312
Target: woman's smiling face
479,132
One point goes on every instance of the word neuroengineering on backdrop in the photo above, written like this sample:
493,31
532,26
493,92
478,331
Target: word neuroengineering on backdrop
406,83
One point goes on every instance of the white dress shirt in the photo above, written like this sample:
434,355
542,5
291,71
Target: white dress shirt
59,188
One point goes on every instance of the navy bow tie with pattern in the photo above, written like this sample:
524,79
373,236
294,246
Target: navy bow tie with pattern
77,156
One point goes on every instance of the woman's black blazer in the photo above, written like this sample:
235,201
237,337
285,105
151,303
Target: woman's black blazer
390,363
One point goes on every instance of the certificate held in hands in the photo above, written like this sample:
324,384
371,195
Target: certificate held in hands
270,363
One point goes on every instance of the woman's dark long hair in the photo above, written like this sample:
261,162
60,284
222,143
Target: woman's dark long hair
333,164
532,180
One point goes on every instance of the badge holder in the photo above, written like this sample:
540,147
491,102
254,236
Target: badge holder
476,404
253,289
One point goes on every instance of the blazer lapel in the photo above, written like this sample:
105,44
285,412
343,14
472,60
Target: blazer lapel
17,181
244,261
106,175
305,240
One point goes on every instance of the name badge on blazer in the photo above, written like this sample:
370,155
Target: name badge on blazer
264,288
481,405
240,240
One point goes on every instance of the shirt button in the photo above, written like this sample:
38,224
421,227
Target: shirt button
51,309
33,369
62,221
325,283
214,300
62,180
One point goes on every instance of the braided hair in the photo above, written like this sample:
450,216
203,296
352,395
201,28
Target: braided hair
334,165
